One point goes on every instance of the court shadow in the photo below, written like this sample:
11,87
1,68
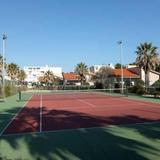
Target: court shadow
92,141
7,115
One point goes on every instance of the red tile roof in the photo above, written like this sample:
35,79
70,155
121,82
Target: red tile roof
70,76
126,73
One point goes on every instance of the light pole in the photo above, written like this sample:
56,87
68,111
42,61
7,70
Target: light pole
121,61
4,37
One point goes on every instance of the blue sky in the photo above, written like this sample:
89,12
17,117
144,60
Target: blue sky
65,32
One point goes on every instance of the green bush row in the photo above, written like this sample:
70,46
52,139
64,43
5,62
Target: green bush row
10,90
140,89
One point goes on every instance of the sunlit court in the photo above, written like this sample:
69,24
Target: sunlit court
79,80
68,110
86,123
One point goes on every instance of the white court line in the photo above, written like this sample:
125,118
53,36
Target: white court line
83,101
40,121
105,106
79,129
14,116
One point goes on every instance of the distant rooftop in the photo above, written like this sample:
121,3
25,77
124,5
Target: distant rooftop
126,73
70,76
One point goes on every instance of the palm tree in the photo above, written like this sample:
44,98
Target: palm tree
147,59
81,69
21,76
158,67
49,77
12,70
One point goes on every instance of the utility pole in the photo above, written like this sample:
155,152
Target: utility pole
4,37
121,61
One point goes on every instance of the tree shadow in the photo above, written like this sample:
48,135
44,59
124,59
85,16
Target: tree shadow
117,142
7,115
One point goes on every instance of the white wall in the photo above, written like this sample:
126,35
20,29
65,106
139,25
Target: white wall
34,72
142,75
153,78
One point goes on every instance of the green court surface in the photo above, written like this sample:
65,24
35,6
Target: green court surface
132,142
147,99
123,142
9,108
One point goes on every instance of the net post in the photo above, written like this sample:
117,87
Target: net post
19,94
126,91
40,120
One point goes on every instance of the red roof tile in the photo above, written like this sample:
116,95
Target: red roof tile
126,73
70,76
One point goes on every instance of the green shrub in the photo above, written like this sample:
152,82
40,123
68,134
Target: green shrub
139,83
7,91
140,91
98,85
156,94
1,94
138,88
156,84
132,89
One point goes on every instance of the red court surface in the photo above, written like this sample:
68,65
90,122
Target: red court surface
60,111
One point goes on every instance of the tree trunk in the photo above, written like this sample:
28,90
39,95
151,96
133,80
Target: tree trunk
147,79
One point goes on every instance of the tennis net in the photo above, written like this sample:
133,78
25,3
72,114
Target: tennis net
71,94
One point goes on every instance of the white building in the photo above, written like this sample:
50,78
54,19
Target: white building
34,72
153,75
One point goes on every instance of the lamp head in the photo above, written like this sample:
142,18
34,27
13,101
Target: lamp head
119,42
4,36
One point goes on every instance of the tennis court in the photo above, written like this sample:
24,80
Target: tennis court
58,111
